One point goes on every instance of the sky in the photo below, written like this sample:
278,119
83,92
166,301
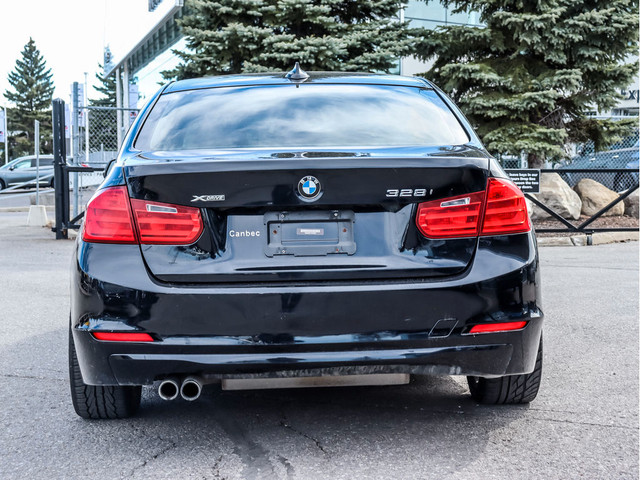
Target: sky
71,35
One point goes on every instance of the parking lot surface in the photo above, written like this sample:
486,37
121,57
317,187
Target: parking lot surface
584,423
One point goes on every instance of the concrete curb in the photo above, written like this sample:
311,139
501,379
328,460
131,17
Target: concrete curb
49,208
580,240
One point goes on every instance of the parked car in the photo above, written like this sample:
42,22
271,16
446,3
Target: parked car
23,169
622,155
302,225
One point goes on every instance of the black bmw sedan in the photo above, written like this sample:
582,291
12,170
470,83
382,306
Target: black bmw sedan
296,226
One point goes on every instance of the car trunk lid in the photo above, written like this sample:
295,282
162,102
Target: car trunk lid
261,225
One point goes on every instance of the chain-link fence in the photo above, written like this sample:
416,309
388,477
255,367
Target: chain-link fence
606,164
95,145
621,155
98,134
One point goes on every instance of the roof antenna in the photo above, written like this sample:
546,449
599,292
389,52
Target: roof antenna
297,73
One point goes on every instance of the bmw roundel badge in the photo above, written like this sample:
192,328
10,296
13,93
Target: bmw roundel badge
309,188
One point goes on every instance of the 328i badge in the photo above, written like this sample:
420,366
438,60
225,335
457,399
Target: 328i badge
328,224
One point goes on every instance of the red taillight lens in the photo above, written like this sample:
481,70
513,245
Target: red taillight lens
502,211
123,337
497,327
165,224
108,217
506,210
451,217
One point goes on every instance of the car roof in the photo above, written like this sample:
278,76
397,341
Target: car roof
279,78
31,157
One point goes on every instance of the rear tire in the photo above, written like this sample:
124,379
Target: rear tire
95,402
2,185
510,389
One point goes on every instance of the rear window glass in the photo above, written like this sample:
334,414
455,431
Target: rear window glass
299,116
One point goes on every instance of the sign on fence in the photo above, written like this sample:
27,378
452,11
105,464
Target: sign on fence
1,126
527,179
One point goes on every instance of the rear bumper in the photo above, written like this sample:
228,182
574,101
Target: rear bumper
414,326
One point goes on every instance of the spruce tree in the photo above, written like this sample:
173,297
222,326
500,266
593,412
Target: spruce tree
106,87
530,77
31,93
236,36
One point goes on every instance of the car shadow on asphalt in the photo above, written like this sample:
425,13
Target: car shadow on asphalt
267,427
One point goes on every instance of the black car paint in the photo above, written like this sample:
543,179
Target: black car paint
265,186
306,320
501,285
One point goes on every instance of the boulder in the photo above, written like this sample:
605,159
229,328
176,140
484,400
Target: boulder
536,213
595,196
556,194
631,205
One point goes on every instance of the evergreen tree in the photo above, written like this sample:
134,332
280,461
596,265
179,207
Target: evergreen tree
235,36
529,79
32,89
106,87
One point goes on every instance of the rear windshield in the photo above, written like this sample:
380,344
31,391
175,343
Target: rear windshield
299,116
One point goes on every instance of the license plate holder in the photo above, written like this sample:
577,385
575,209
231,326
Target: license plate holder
304,234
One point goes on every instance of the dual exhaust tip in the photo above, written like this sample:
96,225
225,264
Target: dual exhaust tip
189,388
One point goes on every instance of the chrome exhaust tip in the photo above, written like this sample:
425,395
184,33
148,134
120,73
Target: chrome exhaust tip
191,388
169,389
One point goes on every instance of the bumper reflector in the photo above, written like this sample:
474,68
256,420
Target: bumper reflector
497,327
123,337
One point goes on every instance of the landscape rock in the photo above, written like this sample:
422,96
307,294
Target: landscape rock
556,194
595,196
631,204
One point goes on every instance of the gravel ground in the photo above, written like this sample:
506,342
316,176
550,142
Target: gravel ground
623,221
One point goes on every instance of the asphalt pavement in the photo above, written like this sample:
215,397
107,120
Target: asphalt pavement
584,423
22,198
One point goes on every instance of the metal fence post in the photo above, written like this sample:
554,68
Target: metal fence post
6,136
36,134
118,111
76,144
60,180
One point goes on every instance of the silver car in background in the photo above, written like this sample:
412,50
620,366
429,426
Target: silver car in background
23,169
621,155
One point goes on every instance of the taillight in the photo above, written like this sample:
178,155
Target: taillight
162,223
506,210
498,211
451,217
108,217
